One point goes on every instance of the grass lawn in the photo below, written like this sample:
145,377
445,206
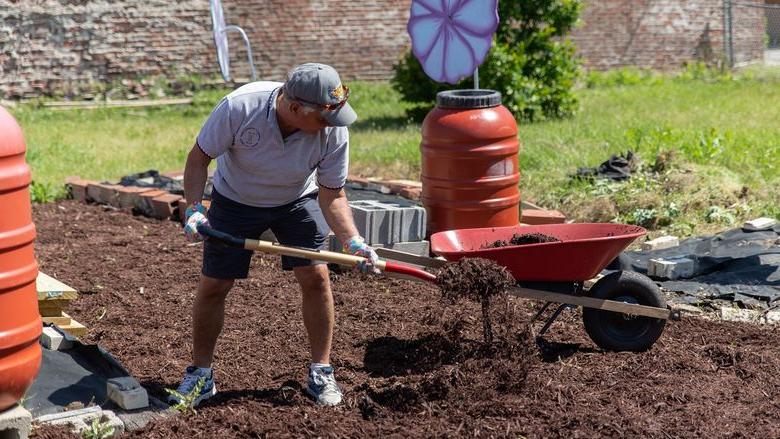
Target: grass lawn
710,149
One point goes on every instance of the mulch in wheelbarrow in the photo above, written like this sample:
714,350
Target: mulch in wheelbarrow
411,364
522,239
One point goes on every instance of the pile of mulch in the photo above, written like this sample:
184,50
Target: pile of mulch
522,239
410,363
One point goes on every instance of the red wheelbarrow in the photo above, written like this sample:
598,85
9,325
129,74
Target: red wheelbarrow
622,311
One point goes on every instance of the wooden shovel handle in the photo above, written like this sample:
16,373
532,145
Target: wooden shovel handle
278,249
312,254
318,255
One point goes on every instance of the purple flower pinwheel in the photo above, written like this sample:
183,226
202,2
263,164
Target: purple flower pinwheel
451,38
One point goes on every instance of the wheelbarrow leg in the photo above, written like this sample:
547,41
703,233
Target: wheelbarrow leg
552,318
541,311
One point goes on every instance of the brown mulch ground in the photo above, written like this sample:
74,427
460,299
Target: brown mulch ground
403,375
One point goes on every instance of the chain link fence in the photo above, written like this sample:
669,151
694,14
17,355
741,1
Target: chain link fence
751,29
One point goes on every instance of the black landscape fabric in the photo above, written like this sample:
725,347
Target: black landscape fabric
734,265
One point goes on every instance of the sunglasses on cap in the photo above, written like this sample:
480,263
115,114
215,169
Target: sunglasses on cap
329,107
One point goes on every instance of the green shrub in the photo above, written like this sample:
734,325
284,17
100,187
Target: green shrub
530,63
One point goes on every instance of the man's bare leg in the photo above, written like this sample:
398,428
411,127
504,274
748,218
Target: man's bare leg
208,315
317,307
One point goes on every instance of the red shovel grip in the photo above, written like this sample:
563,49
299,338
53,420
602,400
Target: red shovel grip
410,271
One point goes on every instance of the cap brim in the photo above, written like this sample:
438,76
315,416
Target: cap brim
342,117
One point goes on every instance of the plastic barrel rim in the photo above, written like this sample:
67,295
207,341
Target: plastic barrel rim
468,99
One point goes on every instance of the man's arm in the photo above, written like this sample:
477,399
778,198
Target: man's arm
337,212
195,175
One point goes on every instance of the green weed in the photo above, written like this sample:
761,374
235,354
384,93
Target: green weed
98,429
187,402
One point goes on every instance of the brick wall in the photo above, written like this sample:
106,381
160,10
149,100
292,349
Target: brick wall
662,34
62,44
749,29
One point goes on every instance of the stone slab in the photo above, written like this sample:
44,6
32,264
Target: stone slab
661,243
15,423
127,393
759,224
673,268
54,340
82,421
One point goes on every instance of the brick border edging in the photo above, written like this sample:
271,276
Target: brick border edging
161,204
151,202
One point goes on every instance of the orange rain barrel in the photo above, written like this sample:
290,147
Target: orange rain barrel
470,172
20,324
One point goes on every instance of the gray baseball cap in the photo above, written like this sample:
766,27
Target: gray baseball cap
319,84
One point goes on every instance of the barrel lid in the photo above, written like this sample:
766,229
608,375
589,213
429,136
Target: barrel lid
468,99
12,140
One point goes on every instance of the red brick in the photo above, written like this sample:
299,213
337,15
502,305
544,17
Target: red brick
165,205
182,209
78,188
145,201
102,193
534,217
411,193
128,196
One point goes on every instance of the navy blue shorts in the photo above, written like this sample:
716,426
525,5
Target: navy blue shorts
299,224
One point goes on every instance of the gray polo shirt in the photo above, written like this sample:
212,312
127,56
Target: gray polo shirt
255,166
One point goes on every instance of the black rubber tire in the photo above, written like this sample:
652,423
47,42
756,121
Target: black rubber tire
621,262
615,331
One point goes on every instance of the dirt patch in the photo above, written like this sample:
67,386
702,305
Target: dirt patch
523,239
702,379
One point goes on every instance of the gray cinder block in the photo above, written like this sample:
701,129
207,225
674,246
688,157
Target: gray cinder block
381,222
675,268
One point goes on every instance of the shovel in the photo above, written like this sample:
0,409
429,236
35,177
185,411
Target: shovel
312,254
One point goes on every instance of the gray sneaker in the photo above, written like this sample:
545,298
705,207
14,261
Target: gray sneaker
191,377
322,386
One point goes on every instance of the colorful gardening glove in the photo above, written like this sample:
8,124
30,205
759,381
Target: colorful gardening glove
357,246
194,216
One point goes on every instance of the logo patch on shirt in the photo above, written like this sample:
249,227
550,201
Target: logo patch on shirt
337,93
250,137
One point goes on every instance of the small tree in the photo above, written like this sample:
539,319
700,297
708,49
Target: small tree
531,62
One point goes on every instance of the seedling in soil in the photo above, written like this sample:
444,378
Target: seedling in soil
99,429
187,402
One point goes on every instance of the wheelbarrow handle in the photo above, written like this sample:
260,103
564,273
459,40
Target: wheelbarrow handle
312,254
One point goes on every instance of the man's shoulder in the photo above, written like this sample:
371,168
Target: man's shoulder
253,94
336,134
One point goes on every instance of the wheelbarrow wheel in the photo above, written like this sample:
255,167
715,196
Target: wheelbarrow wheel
614,331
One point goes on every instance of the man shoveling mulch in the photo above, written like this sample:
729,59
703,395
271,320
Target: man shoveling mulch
702,379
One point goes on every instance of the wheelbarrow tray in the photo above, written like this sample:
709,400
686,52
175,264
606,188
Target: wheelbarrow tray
582,253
